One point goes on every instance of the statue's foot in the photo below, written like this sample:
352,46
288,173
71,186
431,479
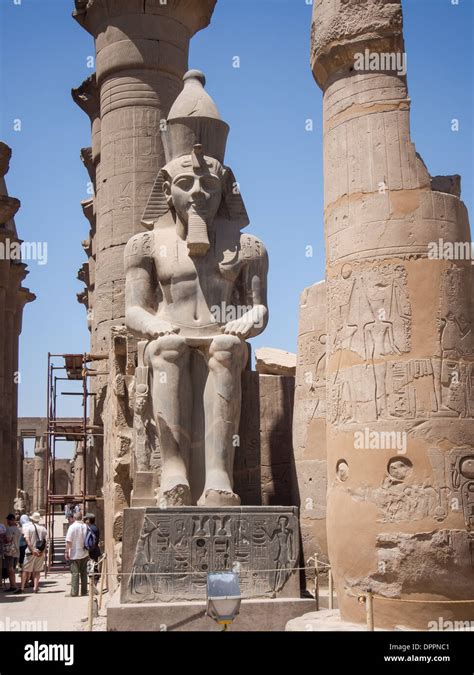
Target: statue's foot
212,497
177,495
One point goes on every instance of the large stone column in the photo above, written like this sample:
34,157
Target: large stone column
400,404
20,297
13,297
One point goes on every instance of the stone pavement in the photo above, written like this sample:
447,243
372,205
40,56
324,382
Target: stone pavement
50,609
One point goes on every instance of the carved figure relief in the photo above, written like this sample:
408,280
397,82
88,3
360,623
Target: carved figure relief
175,552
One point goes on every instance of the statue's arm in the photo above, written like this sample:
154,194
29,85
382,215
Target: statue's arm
142,291
253,281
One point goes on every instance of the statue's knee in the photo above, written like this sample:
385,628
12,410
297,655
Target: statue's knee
227,350
166,348
225,343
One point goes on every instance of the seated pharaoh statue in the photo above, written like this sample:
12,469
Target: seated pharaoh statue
195,291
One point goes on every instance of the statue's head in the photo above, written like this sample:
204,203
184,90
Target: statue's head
194,184
283,522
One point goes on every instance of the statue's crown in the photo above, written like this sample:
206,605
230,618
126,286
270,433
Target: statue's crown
194,127
194,120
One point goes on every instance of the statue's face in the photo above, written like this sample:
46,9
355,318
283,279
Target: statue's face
193,190
399,468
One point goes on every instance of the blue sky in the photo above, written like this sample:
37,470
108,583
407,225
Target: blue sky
276,161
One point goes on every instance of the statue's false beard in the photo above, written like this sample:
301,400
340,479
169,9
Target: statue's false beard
198,238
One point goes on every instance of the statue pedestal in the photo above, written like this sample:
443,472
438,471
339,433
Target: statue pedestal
255,615
167,554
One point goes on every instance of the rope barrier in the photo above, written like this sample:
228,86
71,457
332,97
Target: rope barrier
427,602
412,600
250,571
320,562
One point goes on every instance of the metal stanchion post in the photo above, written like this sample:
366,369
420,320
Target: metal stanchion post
91,599
331,590
316,581
103,571
369,609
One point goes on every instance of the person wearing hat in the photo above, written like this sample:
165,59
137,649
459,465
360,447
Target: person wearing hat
36,541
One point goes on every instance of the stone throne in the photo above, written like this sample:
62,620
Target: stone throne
195,292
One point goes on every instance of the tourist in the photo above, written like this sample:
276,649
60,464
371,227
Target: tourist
11,550
94,553
24,520
36,541
69,513
77,554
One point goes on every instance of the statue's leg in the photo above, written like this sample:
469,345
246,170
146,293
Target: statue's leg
169,356
222,402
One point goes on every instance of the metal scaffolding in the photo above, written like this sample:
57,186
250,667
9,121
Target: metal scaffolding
61,368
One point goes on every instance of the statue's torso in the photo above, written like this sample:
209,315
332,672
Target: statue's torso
198,293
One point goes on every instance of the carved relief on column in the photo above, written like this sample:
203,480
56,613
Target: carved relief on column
118,432
309,422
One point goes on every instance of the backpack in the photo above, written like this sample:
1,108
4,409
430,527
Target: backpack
40,544
90,540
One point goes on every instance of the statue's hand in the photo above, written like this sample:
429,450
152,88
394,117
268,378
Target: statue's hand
159,328
239,327
251,323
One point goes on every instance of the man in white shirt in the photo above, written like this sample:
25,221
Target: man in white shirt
35,554
77,554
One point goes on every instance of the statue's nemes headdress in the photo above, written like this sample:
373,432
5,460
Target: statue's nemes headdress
195,128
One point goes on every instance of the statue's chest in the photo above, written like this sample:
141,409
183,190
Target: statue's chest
176,266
